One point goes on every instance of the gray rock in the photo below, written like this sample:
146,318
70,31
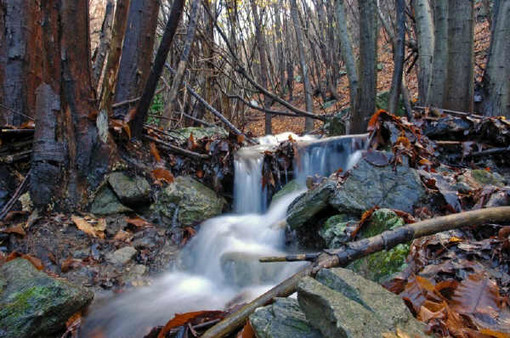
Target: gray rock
282,319
122,256
341,303
107,203
130,190
334,230
387,306
32,304
369,185
309,204
191,200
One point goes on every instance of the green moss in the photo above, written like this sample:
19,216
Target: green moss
485,177
333,230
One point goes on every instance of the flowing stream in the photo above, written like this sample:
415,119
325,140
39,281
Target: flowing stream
219,266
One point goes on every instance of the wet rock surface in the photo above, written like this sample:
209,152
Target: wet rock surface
107,203
33,304
131,191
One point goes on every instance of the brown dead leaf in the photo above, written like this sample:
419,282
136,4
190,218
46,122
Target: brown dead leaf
193,318
73,325
16,229
155,152
247,331
36,262
123,236
477,294
88,228
138,222
162,175
69,264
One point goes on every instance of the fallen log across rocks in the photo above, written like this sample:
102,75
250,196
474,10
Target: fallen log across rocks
355,250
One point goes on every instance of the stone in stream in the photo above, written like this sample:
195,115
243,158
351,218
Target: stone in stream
188,202
289,188
33,304
282,319
367,185
130,190
341,303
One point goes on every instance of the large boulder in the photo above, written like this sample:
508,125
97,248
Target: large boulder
282,319
341,303
388,186
188,202
106,202
130,190
32,304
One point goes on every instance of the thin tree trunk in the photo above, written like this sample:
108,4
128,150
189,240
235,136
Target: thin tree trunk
302,60
437,85
425,34
347,51
398,57
460,74
365,101
137,49
104,46
113,62
261,46
496,79
181,67
279,46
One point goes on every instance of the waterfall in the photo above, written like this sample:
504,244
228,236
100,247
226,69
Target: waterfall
219,266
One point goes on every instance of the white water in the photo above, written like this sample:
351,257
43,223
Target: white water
220,264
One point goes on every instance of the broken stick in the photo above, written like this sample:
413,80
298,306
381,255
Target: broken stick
355,250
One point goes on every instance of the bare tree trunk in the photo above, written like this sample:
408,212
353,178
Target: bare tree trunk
261,45
135,62
181,67
460,74
437,85
347,51
112,65
365,101
157,68
279,46
67,156
398,57
18,28
425,34
304,67
104,46
496,79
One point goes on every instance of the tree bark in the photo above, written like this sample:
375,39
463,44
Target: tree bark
460,73
496,79
279,46
398,57
18,60
112,65
135,62
104,46
437,85
157,68
181,67
365,100
302,61
425,35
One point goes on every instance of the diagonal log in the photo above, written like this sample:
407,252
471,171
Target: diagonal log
355,250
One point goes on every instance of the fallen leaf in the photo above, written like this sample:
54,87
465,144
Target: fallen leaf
69,264
162,175
181,319
247,331
155,152
16,229
138,222
88,228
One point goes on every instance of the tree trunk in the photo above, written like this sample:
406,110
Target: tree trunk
398,57
104,46
365,101
181,67
460,73
302,61
496,79
112,65
437,85
135,62
279,47
156,70
263,70
347,51
18,34
67,155
425,34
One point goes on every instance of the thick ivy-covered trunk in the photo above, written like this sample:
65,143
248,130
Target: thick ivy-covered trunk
18,73
137,50
67,155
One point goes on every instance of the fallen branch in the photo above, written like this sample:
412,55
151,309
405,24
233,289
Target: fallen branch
176,149
16,157
22,188
355,250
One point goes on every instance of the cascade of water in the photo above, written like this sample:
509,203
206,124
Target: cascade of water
221,261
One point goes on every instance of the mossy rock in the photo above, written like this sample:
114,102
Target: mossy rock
485,177
334,230
33,304
381,265
289,188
